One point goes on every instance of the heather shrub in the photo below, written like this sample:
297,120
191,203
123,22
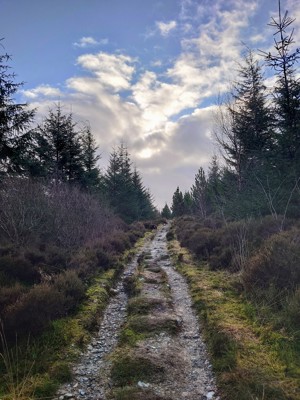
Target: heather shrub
276,263
119,242
221,258
72,288
202,242
104,259
10,295
17,268
34,310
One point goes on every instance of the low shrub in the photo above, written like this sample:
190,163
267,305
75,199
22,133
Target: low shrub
73,289
15,269
34,311
277,263
10,295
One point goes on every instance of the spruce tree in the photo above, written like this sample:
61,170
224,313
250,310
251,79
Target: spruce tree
124,188
177,204
287,90
199,194
59,148
166,212
245,131
15,121
91,175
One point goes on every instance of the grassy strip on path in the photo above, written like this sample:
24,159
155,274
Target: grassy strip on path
246,356
35,370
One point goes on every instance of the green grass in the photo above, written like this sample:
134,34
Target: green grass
251,360
128,369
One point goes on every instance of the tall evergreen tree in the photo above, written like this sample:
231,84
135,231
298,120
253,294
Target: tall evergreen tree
199,194
287,89
245,134
91,176
166,212
15,121
187,203
124,188
177,204
59,147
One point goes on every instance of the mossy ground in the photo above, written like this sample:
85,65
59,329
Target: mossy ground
251,359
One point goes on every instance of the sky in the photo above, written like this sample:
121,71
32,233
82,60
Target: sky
147,73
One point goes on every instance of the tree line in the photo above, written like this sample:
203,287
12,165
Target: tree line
258,133
59,150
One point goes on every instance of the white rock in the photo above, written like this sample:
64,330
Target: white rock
143,384
210,395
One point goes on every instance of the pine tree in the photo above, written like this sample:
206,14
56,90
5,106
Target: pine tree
245,131
15,121
124,188
177,204
215,193
91,176
59,148
199,194
166,212
287,90
187,203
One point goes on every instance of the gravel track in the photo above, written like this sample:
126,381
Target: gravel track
190,374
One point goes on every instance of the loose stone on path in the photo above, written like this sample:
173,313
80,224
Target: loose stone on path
192,377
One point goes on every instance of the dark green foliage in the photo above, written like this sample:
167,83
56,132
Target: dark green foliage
199,194
58,148
166,212
124,189
177,204
15,121
287,89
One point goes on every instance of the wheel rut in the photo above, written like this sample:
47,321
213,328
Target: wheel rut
175,346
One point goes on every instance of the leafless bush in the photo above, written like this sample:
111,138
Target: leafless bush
23,210
33,211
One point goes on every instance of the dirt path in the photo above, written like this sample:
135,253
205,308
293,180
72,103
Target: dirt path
180,353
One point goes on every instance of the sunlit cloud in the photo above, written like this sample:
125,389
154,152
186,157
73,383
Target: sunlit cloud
112,70
164,114
166,27
42,91
89,41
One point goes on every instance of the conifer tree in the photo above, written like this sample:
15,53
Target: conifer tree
177,204
199,194
91,176
124,188
187,203
245,131
166,212
59,148
287,89
15,121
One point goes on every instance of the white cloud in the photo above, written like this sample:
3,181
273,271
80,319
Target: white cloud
166,27
112,70
158,115
42,90
89,41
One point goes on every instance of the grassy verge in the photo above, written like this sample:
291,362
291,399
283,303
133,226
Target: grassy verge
34,370
252,361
